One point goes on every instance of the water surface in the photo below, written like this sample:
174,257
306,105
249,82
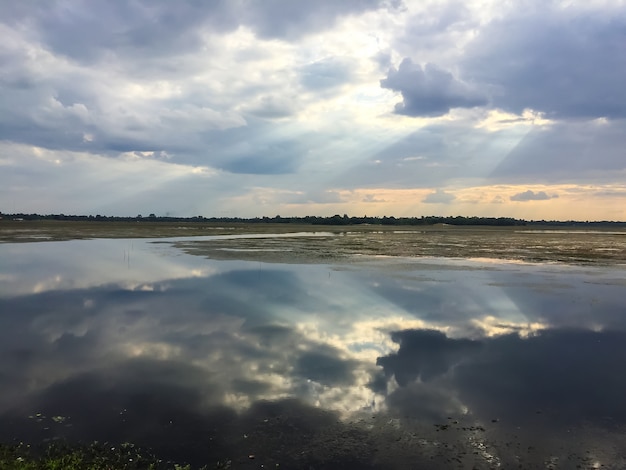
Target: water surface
371,362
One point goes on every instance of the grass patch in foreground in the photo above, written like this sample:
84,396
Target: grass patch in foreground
95,456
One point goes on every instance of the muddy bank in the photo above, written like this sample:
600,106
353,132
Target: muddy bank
575,247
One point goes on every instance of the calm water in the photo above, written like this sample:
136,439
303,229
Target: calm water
378,363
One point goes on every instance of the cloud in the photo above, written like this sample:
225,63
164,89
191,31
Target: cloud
562,61
429,90
288,97
245,339
87,31
272,107
531,196
436,19
439,197
436,31
62,84
326,73
288,20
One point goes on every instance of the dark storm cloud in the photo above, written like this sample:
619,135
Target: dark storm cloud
429,91
531,196
564,62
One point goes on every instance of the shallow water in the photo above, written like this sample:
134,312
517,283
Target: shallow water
371,362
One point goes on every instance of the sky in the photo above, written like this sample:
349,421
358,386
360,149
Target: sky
252,108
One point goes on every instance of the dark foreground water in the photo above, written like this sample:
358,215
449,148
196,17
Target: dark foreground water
376,363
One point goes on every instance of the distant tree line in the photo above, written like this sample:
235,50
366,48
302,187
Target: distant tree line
318,220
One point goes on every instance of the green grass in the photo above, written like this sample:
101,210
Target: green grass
95,456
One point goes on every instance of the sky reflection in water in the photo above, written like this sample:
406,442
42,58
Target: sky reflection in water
131,340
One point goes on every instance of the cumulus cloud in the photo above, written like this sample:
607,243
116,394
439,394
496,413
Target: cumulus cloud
429,90
439,197
532,196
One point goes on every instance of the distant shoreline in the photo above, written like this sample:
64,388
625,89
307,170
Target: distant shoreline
336,220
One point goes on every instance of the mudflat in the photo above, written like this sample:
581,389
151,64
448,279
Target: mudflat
320,243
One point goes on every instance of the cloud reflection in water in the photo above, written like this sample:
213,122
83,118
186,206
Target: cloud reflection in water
486,353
